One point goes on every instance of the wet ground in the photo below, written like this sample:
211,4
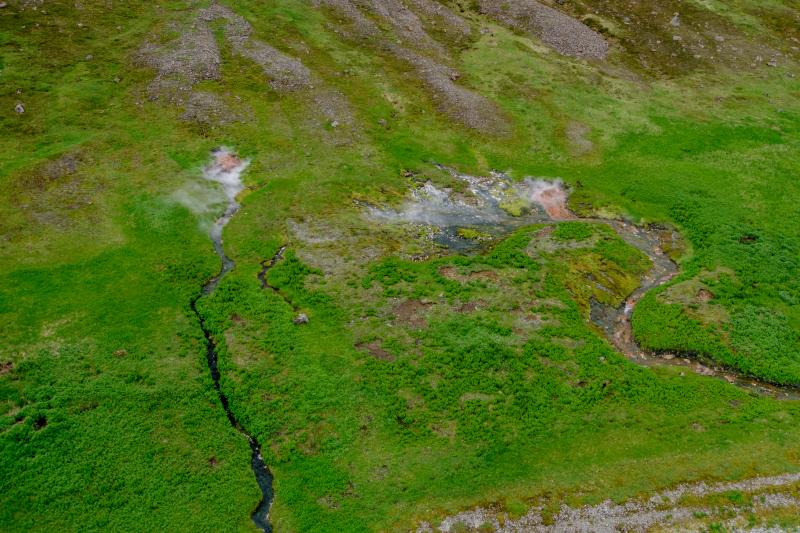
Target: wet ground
496,205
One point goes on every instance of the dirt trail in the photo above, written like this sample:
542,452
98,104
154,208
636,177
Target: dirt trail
226,169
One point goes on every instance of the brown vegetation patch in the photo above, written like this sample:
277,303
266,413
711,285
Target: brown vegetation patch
51,172
445,429
697,299
577,135
485,275
408,312
451,273
475,397
657,41
672,244
704,295
376,350
63,166
548,302
6,367
468,307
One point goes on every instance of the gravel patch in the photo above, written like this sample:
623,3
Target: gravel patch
360,25
425,55
286,73
405,23
559,31
193,57
207,108
661,509
442,16
455,101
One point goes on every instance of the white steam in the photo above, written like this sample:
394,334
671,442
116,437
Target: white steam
214,205
492,200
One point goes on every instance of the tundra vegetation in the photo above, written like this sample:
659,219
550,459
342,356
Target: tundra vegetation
428,379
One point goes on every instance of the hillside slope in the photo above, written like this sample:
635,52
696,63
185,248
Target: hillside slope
440,204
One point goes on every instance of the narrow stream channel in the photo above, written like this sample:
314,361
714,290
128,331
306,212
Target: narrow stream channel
538,201
615,322
226,169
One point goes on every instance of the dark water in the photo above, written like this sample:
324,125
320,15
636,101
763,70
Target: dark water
261,471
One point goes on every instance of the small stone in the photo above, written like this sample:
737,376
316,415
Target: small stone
19,108
669,356
3,4
676,20
89,57
335,124
772,62
677,38
602,359
302,318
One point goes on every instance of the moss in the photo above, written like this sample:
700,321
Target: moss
473,234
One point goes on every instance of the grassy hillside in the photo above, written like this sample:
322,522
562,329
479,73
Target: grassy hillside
426,381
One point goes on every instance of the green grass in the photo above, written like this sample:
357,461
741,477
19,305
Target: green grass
498,390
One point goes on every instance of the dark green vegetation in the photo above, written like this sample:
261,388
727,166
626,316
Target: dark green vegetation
424,382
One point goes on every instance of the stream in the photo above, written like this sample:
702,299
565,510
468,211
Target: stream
226,169
615,322
497,205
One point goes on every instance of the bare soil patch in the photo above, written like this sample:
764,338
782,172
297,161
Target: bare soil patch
409,312
375,349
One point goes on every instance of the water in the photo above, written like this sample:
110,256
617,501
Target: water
487,208
497,205
226,170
